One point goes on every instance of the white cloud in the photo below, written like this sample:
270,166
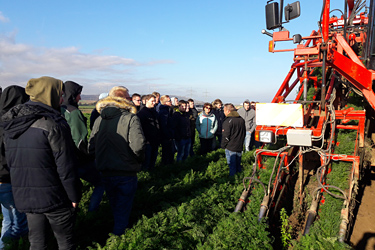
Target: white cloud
3,18
20,62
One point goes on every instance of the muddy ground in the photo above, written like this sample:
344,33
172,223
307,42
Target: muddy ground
363,235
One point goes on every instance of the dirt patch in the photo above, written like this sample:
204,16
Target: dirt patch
363,235
298,217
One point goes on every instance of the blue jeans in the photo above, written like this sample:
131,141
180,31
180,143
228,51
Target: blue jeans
183,148
247,141
151,154
120,191
89,173
14,223
234,161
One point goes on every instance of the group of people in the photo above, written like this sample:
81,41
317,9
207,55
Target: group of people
172,124
45,151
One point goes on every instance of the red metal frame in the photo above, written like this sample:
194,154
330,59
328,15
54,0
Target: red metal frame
344,61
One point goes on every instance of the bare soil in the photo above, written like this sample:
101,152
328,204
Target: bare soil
363,235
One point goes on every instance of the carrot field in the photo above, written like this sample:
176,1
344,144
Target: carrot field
190,205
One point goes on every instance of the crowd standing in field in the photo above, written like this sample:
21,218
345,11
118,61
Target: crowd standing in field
45,151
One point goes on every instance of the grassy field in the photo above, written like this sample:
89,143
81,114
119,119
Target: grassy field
86,109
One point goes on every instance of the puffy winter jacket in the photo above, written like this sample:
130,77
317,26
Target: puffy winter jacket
10,97
206,125
40,154
117,138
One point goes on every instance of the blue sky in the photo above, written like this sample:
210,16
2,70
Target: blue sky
204,49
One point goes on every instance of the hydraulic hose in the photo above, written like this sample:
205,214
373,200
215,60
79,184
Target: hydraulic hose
242,200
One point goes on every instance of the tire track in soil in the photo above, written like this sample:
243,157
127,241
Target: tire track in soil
363,235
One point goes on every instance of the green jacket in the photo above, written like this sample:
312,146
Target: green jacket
76,120
78,126
117,138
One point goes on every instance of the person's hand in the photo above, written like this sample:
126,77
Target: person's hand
74,204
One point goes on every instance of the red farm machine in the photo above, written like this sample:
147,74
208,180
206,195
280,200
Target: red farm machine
330,66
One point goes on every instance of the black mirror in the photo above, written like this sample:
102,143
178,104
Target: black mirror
272,16
292,11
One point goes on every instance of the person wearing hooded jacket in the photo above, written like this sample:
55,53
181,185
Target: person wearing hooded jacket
206,125
69,109
14,223
118,143
40,154
248,114
78,126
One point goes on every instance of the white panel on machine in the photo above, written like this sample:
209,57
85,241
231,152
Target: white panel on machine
279,114
298,137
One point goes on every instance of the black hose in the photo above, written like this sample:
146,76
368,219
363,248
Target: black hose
242,200
325,188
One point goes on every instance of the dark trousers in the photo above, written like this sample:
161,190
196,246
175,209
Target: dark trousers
192,139
120,191
167,152
62,224
206,145
151,154
88,172
214,146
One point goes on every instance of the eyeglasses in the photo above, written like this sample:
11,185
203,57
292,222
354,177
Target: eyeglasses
137,100
207,108
168,101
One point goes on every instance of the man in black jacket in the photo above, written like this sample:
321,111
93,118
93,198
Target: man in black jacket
166,128
150,126
40,154
181,125
234,131
193,115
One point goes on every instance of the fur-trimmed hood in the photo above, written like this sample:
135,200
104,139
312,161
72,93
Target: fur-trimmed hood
118,102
